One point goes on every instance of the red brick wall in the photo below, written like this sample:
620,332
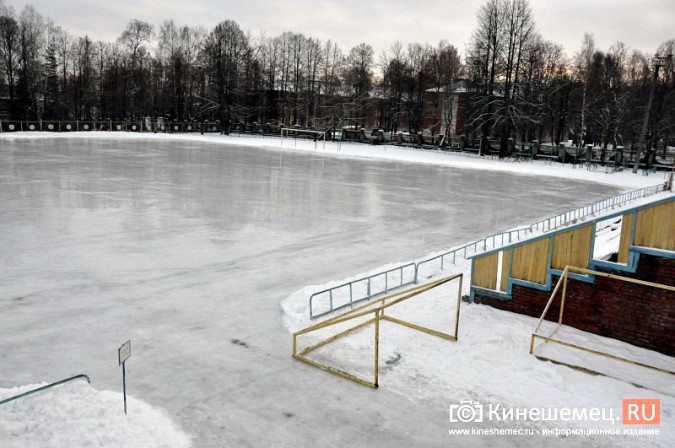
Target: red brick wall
637,314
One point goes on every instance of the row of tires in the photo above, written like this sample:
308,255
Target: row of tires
84,126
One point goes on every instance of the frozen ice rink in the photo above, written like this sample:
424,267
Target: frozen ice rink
187,248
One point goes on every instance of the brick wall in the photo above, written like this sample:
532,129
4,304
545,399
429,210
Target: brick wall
633,313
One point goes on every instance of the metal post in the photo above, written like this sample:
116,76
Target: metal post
562,302
124,386
459,301
377,347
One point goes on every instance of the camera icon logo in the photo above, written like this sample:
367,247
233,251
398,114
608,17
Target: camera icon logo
466,412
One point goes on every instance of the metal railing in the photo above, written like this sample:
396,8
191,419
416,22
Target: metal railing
342,295
473,247
572,216
364,288
546,224
48,386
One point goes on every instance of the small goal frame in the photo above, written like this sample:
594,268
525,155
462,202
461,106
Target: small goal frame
549,340
377,309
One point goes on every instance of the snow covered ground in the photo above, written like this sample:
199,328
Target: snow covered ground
187,244
75,414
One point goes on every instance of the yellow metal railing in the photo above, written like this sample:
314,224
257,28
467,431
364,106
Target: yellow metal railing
377,310
563,281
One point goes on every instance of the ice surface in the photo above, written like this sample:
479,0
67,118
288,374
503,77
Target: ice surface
187,248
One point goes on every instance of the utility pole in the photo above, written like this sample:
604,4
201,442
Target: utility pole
658,61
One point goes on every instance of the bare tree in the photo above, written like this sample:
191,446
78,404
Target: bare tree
133,39
31,28
396,73
358,80
445,65
583,61
487,46
226,53
331,65
518,29
359,69
9,52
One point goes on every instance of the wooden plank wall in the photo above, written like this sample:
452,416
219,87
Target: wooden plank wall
484,273
572,248
624,243
656,227
530,261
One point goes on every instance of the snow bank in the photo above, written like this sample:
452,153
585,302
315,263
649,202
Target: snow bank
76,414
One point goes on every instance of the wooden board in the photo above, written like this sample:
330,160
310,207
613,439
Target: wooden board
626,232
484,273
572,248
530,261
656,227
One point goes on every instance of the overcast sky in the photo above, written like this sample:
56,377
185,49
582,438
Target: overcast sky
639,24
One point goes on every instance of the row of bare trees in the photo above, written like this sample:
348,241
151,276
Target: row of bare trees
523,87
177,72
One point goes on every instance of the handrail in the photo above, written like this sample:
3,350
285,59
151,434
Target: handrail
567,217
554,222
546,224
39,389
371,290
474,245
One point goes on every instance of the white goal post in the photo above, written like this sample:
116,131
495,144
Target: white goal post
303,133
